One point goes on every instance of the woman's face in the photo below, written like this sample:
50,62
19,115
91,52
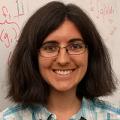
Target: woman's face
64,71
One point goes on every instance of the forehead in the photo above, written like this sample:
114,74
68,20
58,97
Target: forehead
65,32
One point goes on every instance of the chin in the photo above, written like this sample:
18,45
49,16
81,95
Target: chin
63,88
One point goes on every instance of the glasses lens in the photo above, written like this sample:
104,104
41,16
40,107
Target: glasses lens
49,50
76,48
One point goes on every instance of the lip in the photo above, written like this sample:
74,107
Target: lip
63,72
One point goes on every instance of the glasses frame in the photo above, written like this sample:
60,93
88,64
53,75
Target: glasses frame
67,50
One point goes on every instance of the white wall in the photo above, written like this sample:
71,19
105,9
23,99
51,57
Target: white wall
14,13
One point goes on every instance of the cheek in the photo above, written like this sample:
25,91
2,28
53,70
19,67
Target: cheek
82,61
44,65
44,62
85,62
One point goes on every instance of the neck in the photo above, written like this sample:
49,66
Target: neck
63,103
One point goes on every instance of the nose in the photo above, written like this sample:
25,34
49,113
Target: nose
63,57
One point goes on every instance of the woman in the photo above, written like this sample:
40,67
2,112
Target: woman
59,67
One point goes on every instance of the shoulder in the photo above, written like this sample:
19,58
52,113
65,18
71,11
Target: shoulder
102,108
16,112
106,106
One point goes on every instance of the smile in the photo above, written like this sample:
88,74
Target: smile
63,72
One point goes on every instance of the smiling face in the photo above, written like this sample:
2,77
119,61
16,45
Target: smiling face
65,71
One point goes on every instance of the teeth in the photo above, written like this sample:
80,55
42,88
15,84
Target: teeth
63,72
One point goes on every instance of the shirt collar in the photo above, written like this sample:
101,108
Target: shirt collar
44,114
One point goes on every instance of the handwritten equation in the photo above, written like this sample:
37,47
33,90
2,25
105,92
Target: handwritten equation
9,28
102,9
9,24
105,13
9,31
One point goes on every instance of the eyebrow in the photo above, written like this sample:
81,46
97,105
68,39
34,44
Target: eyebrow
51,42
70,41
75,39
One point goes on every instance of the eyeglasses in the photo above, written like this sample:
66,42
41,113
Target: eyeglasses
51,49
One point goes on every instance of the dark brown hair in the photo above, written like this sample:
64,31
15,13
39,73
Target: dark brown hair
26,85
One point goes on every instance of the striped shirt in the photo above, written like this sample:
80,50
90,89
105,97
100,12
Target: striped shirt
90,110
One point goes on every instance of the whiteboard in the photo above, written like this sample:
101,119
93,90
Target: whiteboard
14,14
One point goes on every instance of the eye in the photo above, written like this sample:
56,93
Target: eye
49,48
76,46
